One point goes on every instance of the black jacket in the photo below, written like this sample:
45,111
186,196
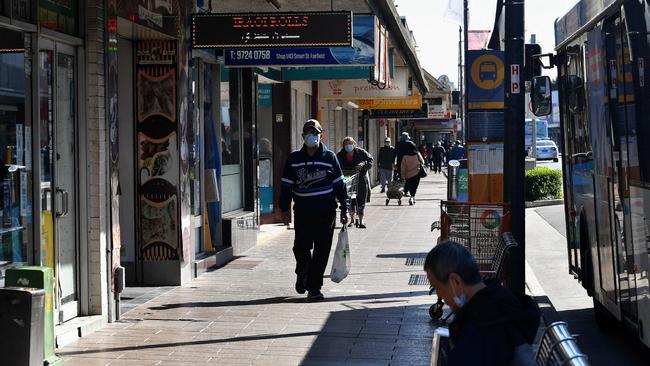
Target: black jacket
486,331
404,148
386,157
359,156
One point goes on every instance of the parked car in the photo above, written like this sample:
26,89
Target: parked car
547,150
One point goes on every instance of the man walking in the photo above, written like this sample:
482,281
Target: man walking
313,179
386,163
437,156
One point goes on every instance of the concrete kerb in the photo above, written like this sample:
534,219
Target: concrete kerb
544,203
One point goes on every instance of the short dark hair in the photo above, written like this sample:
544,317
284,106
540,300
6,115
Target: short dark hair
450,257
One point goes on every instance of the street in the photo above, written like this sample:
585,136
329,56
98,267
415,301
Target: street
248,313
550,164
547,256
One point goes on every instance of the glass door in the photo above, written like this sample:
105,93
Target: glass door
58,111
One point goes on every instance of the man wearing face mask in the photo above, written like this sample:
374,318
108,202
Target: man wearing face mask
356,159
313,179
491,326
386,160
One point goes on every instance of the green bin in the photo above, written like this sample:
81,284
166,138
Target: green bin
40,278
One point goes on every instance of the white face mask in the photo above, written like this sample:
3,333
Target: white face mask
460,300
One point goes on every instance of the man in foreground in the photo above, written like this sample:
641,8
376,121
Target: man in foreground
313,179
491,326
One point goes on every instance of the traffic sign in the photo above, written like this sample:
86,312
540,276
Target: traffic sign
485,84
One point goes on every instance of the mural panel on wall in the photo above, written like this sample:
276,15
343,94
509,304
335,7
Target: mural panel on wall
157,159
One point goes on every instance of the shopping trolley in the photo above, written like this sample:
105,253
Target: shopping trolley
479,227
351,179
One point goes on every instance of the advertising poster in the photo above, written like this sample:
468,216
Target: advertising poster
362,52
157,159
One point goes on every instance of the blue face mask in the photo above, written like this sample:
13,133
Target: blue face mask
349,148
311,140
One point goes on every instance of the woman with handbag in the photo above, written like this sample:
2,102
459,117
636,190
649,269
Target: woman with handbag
412,168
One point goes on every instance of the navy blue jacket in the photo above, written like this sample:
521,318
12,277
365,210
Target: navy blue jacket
314,183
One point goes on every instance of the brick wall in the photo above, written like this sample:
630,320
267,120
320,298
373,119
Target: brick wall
97,158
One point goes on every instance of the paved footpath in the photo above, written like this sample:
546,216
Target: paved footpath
248,312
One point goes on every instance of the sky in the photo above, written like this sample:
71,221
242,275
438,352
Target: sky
437,38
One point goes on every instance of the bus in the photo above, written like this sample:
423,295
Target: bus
601,48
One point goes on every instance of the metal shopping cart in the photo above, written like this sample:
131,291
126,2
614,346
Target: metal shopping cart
351,179
482,229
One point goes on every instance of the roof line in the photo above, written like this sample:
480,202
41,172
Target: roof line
392,19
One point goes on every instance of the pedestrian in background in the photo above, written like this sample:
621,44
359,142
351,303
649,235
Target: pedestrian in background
411,166
491,326
457,151
437,156
354,158
313,179
386,163
405,145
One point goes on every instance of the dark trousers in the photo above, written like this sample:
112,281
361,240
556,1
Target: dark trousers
437,166
313,231
411,185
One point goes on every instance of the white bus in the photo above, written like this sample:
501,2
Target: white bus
602,47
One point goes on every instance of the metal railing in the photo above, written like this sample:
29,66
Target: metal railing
558,347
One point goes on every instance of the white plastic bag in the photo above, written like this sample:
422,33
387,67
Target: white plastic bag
341,264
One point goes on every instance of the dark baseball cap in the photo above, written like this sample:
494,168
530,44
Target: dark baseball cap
313,124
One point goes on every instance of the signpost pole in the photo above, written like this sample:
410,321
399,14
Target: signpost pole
465,31
514,149
460,77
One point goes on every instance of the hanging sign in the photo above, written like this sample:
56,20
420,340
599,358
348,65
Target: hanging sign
292,29
361,88
413,102
362,51
400,113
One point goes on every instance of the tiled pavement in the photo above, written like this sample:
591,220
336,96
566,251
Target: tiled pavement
248,313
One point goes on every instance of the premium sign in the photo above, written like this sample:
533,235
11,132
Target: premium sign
337,89
249,30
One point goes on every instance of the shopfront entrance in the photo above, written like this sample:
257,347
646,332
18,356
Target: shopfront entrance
59,171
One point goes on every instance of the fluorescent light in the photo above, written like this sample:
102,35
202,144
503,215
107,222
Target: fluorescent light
353,105
338,108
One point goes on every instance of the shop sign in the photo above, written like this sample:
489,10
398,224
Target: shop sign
413,102
400,113
485,84
361,88
264,95
438,112
160,15
290,29
362,51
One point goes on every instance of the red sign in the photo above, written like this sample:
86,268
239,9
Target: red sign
515,85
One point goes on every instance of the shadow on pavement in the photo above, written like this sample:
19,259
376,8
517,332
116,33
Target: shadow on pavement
613,347
394,335
377,336
285,300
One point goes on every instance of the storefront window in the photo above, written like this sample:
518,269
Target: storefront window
230,136
59,15
15,155
20,9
